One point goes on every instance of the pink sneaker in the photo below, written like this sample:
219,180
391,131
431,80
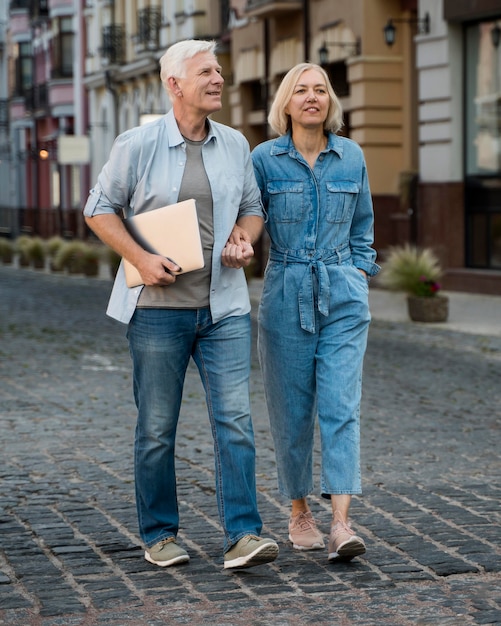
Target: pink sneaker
344,544
303,532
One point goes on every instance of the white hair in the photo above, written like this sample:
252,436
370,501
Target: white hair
173,60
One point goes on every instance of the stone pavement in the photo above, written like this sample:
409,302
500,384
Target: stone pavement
69,551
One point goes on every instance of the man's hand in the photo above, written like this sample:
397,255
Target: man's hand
157,270
154,268
237,254
238,251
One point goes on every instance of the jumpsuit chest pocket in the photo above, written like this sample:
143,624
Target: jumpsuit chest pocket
286,201
341,199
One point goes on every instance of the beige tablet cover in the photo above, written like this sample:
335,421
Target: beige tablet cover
171,231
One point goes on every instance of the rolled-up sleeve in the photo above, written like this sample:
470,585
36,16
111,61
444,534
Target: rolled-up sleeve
115,183
251,203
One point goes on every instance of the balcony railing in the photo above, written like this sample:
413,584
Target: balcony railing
113,43
37,98
37,8
149,21
62,70
20,4
4,113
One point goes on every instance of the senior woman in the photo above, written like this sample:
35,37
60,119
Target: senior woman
314,314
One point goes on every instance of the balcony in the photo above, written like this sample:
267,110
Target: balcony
37,99
272,8
4,113
20,4
113,44
39,10
148,36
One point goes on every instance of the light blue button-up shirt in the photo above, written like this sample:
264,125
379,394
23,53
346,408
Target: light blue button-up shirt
144,172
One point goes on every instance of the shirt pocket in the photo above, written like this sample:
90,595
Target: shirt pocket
286,201
341,200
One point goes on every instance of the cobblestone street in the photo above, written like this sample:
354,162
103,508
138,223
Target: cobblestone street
69,549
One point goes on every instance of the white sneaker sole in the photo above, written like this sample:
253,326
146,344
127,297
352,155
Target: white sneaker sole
348,550
182,558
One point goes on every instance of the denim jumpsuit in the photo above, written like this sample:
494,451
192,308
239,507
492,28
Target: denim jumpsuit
314,314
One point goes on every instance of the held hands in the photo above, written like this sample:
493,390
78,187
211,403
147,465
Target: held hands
238,251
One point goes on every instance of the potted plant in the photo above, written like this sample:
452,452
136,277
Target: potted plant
416,271
6,250
54,244
37,252
70,257
91,258
22,245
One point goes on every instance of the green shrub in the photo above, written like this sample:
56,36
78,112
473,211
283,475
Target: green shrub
37,252
92,257
412,270
6,250
22,245
71,257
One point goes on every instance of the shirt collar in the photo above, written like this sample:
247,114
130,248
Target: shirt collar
284,145
174,134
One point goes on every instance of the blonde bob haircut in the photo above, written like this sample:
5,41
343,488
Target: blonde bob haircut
280,121
173,60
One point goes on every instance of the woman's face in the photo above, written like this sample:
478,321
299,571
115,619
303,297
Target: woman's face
309,103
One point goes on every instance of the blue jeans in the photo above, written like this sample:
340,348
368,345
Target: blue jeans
314,373
161,343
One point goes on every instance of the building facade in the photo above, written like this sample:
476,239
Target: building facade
125,39
419,81
423,106
40,108
459,69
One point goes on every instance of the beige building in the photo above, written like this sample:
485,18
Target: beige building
423,104
406,102
124,42
377,84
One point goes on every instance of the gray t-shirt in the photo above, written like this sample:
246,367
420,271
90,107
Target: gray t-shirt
191,290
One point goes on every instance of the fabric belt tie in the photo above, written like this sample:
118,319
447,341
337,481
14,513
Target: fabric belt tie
314,265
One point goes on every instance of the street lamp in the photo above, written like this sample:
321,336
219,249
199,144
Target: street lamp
390,30
354,49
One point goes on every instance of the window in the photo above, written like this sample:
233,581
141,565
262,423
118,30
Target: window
339,78
483,108
24,68
62,48
482,105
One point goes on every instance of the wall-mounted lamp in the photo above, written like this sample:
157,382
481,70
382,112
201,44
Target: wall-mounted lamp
496,35
354,49
390,30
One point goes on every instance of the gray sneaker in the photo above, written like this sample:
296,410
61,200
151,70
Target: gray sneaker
250,551
166,552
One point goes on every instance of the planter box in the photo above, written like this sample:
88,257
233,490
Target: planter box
428,309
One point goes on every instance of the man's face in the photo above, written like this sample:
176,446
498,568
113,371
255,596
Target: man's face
202,84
